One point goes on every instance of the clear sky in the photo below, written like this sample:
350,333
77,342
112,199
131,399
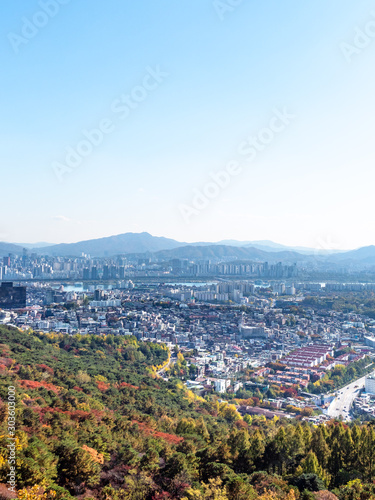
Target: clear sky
180,89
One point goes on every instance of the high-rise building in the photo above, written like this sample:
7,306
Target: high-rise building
370,383
105,272
94,273
12,297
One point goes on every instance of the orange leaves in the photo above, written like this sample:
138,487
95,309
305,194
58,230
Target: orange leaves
125,384
33,384
7,361
102,386
169,438
97,457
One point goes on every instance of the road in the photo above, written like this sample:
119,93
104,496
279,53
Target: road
345,396
162,370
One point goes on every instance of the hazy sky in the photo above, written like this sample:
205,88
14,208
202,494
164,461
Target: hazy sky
278,93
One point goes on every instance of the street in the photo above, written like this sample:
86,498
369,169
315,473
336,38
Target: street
345,396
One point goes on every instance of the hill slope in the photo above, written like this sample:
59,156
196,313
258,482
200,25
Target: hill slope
93,421
6,248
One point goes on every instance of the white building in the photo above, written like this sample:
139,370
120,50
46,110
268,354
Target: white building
221,384
370,384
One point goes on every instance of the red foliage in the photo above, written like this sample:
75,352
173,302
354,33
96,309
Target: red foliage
163,495
29,431
241,424
7,361
33,384
77,388
98,414
46,368
5,493
290,392
77,415
125,384
102,386
169,438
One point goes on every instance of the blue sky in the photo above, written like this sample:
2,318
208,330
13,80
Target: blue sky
225,69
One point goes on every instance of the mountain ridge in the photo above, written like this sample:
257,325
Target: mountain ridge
160,247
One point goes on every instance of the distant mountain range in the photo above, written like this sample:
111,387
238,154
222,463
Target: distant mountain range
165,248
112,245
215,251
271,246
6,248
40,244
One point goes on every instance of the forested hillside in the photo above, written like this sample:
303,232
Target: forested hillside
93,420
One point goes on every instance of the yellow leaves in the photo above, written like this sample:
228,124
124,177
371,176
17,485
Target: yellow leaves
229,412
83,377
97,457
180,357
34,494
355,485
199,398
299,471
100,378
52,335
21,440
83,406
190,396
186,426
248,419
211,491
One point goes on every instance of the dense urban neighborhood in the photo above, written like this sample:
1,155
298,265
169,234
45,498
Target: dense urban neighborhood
290,346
